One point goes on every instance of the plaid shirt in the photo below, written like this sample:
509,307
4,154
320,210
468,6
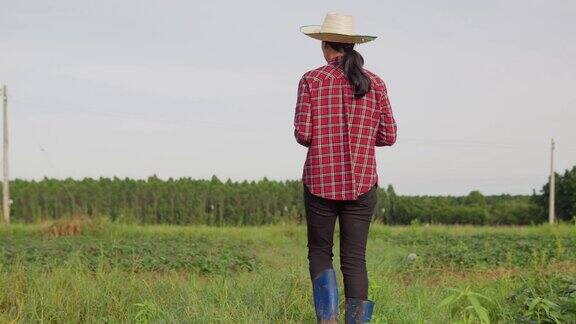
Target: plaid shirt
341,131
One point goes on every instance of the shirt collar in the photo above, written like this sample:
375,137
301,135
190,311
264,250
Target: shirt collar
335,60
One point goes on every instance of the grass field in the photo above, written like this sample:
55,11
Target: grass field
114,273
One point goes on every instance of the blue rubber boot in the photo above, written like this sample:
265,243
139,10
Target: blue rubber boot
325,290
358,311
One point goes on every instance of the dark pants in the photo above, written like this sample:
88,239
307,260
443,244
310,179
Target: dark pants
354,221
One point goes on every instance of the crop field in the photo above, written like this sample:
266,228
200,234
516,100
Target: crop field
112,273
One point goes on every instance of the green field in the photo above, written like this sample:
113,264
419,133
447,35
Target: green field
112,273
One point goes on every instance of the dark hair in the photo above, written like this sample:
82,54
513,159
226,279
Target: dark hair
352,64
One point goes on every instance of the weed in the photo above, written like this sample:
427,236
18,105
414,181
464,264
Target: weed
468,305
548,299
73,226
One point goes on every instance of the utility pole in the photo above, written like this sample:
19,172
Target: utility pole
551,211
6,182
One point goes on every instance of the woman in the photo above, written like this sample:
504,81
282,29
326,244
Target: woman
342,113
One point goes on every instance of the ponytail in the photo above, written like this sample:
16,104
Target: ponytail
352,63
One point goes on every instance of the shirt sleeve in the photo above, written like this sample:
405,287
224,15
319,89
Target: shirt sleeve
387,128
302,117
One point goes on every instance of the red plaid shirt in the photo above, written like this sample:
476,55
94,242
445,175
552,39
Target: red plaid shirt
341,131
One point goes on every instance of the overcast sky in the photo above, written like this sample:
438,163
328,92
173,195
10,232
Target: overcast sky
196,88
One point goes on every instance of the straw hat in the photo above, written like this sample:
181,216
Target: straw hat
336,28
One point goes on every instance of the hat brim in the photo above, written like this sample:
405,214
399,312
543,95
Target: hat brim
314,32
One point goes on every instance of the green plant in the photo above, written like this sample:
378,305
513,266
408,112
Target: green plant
543,310
550,299
202,274
467,304
147,310
134,253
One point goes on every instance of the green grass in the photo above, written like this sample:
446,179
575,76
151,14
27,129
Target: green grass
171,274
130,251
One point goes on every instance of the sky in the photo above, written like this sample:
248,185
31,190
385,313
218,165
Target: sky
201,88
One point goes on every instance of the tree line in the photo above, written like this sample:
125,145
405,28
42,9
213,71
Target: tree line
228,203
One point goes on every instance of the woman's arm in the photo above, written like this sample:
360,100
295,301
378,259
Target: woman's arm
387,128
302,117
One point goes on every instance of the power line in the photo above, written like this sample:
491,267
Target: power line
449,143
140,117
